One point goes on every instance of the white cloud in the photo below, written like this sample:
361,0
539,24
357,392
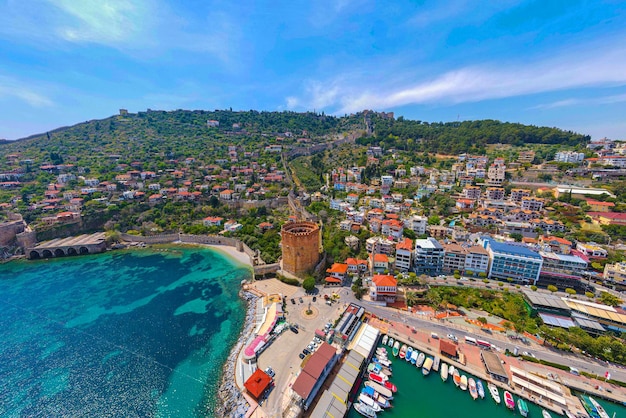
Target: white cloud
617,98
583,69
12,89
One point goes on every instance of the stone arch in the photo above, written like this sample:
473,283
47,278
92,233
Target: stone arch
47,254
83,250
59,252
71,251
34,255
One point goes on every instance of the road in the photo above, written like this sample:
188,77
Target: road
443,328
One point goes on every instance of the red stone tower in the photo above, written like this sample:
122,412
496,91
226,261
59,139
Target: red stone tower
301,247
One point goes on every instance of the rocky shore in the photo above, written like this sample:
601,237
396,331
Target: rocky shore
231,402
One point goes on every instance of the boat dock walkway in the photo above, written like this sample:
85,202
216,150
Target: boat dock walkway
474,365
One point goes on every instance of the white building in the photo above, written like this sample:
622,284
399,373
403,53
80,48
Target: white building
569,157
428,257
417,224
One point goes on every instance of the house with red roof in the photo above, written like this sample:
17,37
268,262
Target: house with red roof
336,274
384,288
265,226
258,383
356,266
210,221
379,262
598,206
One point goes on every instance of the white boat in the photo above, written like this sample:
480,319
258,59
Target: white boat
390,342
420,360
365,410
599,409
363,398
522,407
381,351
385,338
493,390
436,362
545,414
387,393
409,353
414,355
450,370
383,361
444,371
472,388
456,378
380,400
463,384
403,351
428,364
396,349
481,389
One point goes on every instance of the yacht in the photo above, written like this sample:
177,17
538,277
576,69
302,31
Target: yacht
444,371
493,390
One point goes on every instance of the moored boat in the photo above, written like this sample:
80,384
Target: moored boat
396,349
409,353
390,386
390,342
380,389
472,388
377,397
598,408
523,408
444,371
451,370
383,361
428,364
365,410
414,356
363,398
436,362
493,390
508,400
378,378
545,414
481,388
378,369
403,351
463,384
382,351
420,360
456,378
385,339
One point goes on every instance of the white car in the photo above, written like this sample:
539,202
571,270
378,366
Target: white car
452,337
270,372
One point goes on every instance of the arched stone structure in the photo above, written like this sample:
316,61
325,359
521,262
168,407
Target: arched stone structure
59,253
83,250
47,254
71,251
34,255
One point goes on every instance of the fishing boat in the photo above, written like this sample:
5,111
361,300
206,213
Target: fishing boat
420,360
403,351
481,388
409,353
472,388
365,410
390,386
436,362
378,369
545,414
414,355
376,397
463,384
444,371
385,339
589,408
508,400
451,370
523,408
378,378
390,342
380,389
456,378
493,390
396,349
382,351
383,361
363,398
599,409
428,364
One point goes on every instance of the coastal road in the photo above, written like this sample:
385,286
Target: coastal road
442,328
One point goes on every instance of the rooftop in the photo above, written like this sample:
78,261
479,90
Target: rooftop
512,249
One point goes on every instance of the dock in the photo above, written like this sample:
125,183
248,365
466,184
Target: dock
70,246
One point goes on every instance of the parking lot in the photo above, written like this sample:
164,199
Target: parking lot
283,354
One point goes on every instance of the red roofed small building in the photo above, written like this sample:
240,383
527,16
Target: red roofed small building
379,262
608,218
337,271
598,206
212,221
226,194
404,254
356,266
257,383
465,204
264,226
384,288
448,348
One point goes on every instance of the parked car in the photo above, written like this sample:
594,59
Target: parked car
306,351
302,356
314,299
301,301
270,372
293,301
294,329
452,337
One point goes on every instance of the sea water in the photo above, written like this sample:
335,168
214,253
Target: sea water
141,333
430,397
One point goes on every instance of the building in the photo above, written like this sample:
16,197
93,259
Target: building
562,271
512,261
428,256
526,157
384,288
608,218
417,224
404,252
300,247
518,194
496,174
615,273
476,260
313,375
591,250
495,193
598,206
378,263
569,157
379,245
338,272
580,192
471,192
532,203
257,384
453,258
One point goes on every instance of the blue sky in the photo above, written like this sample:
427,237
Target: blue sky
555,63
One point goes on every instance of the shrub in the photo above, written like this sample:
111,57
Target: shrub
485,281
533,288
288,280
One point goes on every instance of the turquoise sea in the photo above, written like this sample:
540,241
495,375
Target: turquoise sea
140,333
430,397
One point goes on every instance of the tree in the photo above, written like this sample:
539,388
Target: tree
309,284
590,295
570,291
609,299
516,236
482,320
552,288
434,220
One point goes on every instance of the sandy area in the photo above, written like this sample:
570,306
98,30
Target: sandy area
233,253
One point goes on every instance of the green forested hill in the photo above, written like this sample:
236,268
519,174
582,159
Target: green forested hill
467,136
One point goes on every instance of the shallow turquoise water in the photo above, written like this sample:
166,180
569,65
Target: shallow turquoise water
430,397
131,333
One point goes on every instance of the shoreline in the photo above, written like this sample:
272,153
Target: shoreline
230,398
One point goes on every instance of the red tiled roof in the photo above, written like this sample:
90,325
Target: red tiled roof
447,347
384,280
338,268
407,244
329,279
257,383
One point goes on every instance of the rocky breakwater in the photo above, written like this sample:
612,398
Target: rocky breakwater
231,402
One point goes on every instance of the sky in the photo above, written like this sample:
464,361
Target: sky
548,63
